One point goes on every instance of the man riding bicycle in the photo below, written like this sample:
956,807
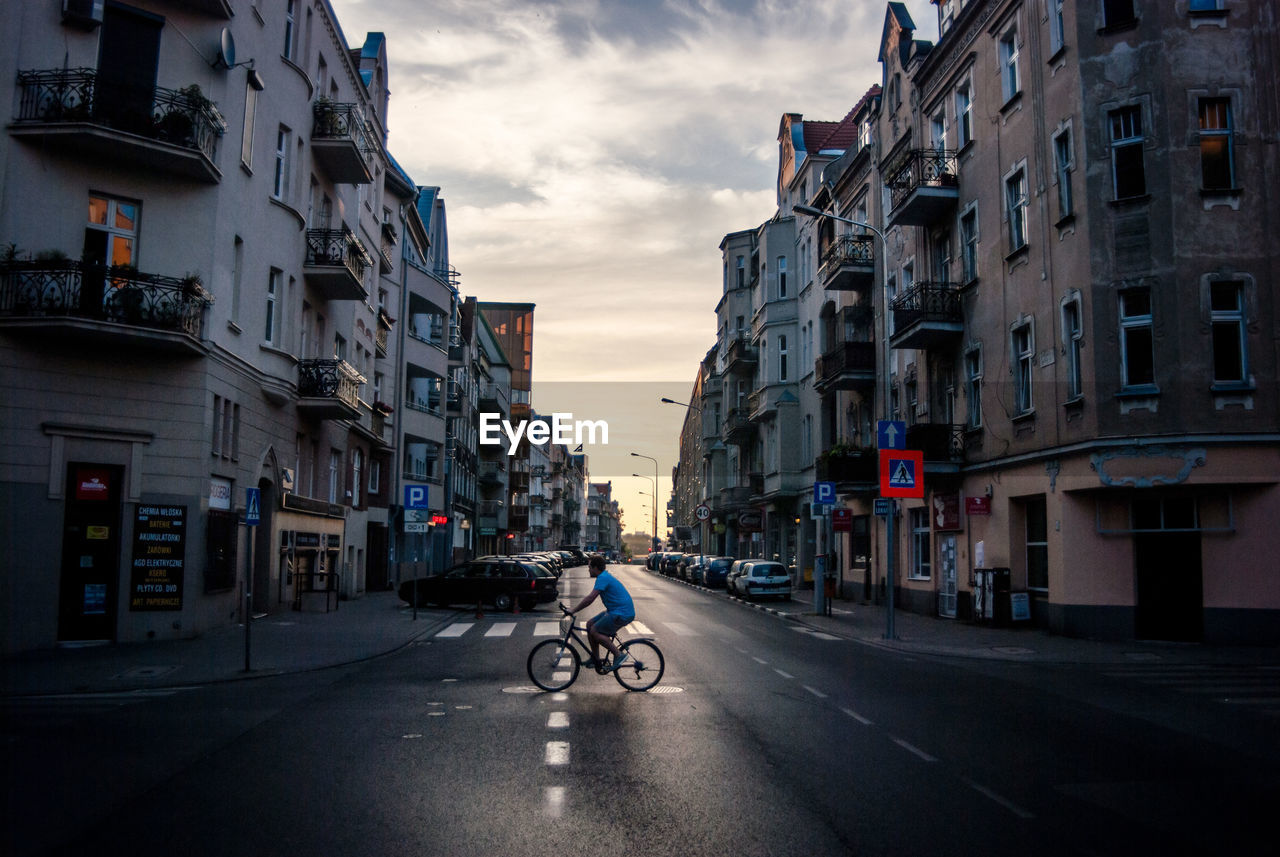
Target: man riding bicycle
619,610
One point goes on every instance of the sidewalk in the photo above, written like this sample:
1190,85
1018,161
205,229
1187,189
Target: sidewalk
379,623
284,642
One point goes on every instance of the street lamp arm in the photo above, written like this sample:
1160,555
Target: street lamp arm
817,212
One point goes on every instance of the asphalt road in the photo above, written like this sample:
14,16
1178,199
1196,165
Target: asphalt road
764,738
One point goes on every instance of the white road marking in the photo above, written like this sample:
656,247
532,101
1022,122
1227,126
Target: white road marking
817,635
815,691
858,717
557,752
561,676
457,629
681,629
546,629
783,674
640,628
911,748
553,801
760,661
501,629
558,720
1007,804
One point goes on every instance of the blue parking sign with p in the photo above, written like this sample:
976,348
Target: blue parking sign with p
415,497
824,493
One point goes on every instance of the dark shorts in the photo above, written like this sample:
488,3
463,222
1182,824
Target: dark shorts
609,623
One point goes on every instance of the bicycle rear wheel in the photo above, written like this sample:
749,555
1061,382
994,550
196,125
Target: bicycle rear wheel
553,665
645,667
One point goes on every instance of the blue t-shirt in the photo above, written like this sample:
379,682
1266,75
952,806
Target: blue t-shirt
615,596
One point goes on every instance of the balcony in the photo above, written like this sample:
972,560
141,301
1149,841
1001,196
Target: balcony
923,187
493,400
927,315
383,333
848,366
940,442
850,468
740,356
329,389
340,141
336,263
117,305
849,264
79,109
738,428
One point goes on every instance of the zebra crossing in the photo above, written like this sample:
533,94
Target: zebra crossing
542,628
1255,687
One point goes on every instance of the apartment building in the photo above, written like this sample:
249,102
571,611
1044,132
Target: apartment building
1046,254
193,323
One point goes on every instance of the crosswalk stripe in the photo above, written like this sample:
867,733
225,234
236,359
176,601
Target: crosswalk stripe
457,629
640,628
501,629
546,629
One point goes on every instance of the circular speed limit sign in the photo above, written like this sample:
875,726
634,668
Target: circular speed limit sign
702,512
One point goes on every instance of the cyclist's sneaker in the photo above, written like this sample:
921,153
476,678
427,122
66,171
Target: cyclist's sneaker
593,664
620,660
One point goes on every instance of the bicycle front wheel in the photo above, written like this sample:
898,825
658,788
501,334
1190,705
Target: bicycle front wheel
553,665
645,667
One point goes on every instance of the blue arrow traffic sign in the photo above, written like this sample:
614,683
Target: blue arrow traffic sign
891,434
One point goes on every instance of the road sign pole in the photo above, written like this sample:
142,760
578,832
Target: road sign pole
888,574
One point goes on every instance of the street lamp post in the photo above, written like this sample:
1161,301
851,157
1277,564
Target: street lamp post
655,496
884,394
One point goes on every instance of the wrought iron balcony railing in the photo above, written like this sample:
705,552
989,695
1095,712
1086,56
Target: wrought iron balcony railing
118,293
337,261
846,258
923,185
341,141
330,379
182,117
926,315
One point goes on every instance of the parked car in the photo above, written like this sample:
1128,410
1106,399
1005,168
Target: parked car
671,563
499,581
716,570
696,568
764,579
736,570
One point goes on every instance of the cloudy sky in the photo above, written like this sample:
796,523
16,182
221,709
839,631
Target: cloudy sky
593,154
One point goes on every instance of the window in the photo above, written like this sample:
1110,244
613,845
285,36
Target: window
226,429
1037,545
921,567
1217,152
964,114
271,328
942,256
1072,335
742,272
1205,5
280,181
1009,83
335,470
1118,13
1128,173
1016,200
1137,363
1024,353
946,15
1057,27
973,386
864,134
250,114
1064,166
375,476
357,476
938,129
913,399
969,245
290,29
111,234
782,276
1227,317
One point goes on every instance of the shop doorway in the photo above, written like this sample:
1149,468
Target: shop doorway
1170,597
947,576
90,574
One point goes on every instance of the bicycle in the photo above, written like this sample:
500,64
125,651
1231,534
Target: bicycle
554,664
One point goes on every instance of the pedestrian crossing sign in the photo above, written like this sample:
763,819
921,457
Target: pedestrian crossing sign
901,473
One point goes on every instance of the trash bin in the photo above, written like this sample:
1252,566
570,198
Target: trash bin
1001,613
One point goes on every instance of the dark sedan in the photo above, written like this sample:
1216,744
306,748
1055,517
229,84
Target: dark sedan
501,582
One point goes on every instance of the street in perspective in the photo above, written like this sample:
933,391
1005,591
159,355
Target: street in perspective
709,428
773,731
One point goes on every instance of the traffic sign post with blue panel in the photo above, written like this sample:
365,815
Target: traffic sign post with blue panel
824,493
901,473
883,506
415,497
891,434
252,507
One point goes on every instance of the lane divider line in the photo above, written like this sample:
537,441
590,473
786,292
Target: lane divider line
1007,804
814,691
557,753
858,717
558,720
783,674
911,748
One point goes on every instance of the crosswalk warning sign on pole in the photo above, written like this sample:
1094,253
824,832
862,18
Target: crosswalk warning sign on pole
901,473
